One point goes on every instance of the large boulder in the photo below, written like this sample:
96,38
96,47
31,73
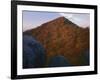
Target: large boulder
33,53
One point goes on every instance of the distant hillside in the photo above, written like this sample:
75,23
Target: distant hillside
62,37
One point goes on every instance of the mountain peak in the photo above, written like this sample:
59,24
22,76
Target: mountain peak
63,21
60,19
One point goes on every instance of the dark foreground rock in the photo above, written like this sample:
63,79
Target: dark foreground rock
33,53
58,61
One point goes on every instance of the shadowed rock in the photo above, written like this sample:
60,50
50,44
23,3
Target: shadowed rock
58,61
33,53
84,58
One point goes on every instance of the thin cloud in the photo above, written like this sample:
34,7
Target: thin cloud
82,19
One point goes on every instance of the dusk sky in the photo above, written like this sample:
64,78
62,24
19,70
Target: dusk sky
33,19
